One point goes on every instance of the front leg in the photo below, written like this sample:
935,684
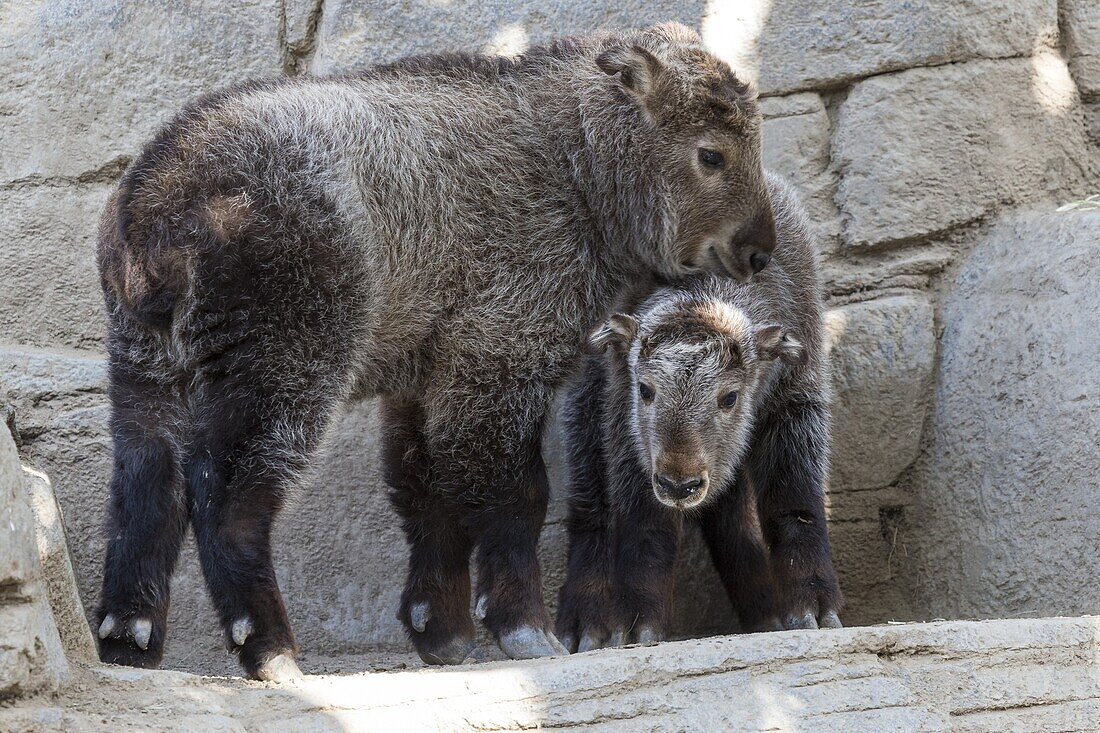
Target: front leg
584,603
485,444
787,469
646,536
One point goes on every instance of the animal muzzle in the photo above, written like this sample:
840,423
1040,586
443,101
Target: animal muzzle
680,489
751,246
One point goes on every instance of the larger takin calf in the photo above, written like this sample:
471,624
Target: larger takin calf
441,232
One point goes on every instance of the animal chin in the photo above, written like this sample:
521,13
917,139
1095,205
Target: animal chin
728,266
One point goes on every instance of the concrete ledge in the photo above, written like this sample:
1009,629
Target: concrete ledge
1017,675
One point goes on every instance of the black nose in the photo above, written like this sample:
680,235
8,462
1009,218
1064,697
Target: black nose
679,489
758,261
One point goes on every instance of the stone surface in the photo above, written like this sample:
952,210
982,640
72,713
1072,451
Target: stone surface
803,44
358,32
47,254
31,657
1024,676
918,151
84,83
1005,521
57,568
1081,25
883,353
796,145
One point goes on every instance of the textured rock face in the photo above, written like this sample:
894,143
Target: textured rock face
989,677
1081,20
358,32
1006,493
806,44
31,658
883,355
917,152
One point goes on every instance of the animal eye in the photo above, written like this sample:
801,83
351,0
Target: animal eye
647,393
728,400
711,158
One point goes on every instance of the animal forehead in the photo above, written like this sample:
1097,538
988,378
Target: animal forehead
702,322
711,83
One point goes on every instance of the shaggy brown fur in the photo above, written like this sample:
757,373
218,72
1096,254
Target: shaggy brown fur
712,404
442,232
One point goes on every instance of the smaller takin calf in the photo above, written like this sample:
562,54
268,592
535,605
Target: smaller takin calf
711,404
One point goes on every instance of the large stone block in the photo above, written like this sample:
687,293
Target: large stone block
47,254
1081,23
794,45
882,354
924,150
359,32
1005,519
796,145
84,83
31,657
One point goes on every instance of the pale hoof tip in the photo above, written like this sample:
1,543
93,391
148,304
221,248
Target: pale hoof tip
282,668
143,630
242,629
419,615
805,622
588,643
108,626
831,621
648,635
527,642
618,638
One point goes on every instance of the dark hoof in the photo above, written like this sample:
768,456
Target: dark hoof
452,651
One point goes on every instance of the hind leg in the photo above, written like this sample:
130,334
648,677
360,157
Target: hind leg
148,513
251,447
435,606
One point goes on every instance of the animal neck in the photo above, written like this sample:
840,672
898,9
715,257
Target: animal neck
615,171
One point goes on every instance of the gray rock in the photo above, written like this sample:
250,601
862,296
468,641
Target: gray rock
925,150
31,657
796,145
882,352
1005,519
1023,676
57,569
1081,24
806,44
359,32
84,83
51,288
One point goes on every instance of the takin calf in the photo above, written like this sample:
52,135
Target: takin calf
710,402
440,232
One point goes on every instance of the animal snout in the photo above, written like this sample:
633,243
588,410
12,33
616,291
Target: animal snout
679,488
754,242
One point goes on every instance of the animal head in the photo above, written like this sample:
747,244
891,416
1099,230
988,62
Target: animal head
706,124
694,367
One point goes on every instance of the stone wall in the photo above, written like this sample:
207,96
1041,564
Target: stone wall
910,129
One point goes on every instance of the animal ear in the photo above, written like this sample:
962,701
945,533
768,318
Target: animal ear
637,68
772,343
618,332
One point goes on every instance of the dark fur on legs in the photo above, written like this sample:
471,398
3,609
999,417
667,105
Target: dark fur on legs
435,605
